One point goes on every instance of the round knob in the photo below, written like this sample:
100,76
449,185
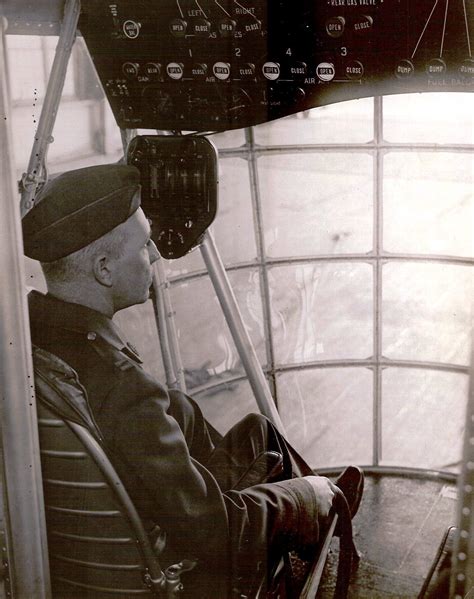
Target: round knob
153,70
298,70
131,29
175,70
130,69
466,70
354,69
221,70
246,71
404,69
363,24
199,70
200,27
226,27
271,70
436,67
325,71
335,26
178,27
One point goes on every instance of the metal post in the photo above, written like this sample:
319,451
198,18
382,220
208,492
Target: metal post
462,572
28,568
239,333
36,166
160,318
164,315
173,355
377,283
127,135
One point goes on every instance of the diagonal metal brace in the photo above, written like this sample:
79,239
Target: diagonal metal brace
36,172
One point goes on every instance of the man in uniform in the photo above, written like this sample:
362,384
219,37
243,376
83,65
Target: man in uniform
207,493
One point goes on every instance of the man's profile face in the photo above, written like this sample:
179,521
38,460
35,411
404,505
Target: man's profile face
132,276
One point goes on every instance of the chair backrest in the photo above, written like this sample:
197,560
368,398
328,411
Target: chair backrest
97,544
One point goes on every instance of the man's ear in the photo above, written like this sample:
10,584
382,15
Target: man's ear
102,268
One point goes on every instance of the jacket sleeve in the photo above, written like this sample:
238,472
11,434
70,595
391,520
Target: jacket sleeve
189,505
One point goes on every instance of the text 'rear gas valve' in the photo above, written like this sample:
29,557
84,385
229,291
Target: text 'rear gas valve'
179,188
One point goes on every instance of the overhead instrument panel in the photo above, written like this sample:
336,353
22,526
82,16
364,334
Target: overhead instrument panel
224,64
179,180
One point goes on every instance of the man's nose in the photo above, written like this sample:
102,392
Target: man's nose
153,252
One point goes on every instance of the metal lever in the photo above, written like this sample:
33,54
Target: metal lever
174,586
169,581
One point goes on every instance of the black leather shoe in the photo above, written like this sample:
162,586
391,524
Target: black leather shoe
351,483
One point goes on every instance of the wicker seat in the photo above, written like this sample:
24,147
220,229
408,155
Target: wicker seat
97,544
98,547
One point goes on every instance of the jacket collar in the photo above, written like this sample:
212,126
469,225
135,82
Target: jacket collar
47,311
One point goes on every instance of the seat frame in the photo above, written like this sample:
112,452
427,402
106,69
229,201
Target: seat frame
60,393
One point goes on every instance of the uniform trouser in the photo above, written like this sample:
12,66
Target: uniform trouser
232,460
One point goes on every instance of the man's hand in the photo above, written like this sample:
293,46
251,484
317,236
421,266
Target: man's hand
324,493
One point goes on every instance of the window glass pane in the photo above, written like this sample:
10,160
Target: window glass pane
423,414
71,141
206,345
225,405
229,139
138,325
308,324
192,262
233,229
26,71
426,312
435,118
50,44
348,122
327,414
428,203
316,204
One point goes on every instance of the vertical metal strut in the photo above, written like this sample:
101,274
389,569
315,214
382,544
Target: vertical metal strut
239,333
167,329
377,280
462,572
25,521
163,310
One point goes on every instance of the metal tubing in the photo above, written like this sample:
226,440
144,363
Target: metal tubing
338,364
262,258
340,147
239,333
43,137
462,572
401,471
172,381
311,586
160,318
377,281
25,522
161,288
127,135
368,258
164,315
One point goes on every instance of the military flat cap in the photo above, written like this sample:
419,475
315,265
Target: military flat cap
77,207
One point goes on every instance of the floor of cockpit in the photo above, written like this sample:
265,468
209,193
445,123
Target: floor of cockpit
399,527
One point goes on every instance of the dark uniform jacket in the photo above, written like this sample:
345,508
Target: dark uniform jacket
160,443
